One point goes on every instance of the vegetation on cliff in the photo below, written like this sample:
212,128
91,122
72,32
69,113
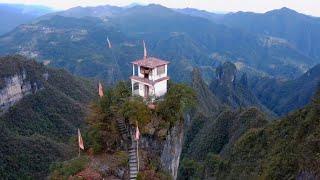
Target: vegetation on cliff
103,135
284,149
37,129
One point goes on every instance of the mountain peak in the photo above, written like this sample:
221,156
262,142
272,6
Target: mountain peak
283,10
226,73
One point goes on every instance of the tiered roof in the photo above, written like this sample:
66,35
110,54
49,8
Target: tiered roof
150,62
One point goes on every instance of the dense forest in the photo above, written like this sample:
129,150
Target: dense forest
37,129
244,143
243,101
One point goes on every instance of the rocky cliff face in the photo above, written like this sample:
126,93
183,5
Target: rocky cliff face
15,88
170,155
168,150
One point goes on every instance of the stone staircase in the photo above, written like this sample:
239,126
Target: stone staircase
133,163
123,129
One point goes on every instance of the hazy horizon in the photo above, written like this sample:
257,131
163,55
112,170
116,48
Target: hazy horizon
309,7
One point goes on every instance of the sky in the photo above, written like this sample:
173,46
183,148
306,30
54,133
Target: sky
310,7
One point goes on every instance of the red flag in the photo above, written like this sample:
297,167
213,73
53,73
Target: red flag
137,136
109,43
81,146
144,50
100,90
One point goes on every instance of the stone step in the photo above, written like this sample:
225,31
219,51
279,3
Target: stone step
134,171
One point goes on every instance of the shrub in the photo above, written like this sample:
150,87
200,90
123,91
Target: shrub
136,111
62,170
179,98
190,169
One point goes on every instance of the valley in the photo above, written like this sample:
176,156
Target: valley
242,101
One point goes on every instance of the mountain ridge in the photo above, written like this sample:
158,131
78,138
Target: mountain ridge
37,128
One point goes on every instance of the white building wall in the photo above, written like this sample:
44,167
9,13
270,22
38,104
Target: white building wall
141,89
155,76
160,88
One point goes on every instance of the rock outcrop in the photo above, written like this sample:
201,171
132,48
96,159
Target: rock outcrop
15,88
170,155
168,150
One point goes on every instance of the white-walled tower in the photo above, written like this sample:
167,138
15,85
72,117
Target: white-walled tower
149,77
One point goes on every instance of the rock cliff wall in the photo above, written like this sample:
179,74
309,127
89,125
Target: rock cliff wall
14,89
170,155
169,149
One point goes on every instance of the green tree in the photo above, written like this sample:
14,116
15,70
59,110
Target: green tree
190,169
135,110
179,98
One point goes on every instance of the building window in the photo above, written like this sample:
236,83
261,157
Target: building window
161,70
136,86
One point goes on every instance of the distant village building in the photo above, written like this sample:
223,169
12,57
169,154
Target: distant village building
149,77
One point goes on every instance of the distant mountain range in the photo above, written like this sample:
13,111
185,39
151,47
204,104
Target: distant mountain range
13,15
300,30
246,68
75,39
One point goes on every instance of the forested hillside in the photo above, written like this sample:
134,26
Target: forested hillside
13,15
244,144
298,29
80,44
283,97
285,149
37,129
246,108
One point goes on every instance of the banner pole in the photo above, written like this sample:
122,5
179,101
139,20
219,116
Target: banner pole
138,154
